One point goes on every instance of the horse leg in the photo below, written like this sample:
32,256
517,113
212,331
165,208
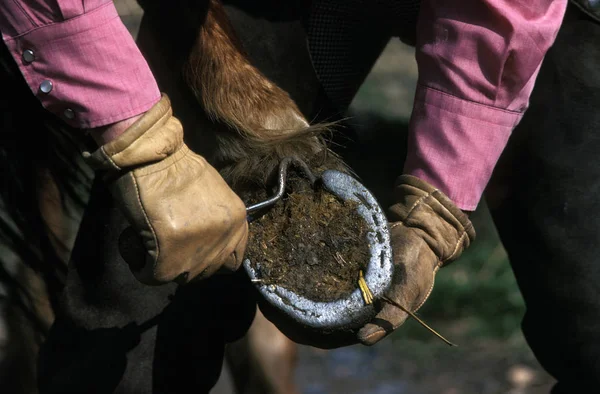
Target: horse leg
262,124
263,361
267,125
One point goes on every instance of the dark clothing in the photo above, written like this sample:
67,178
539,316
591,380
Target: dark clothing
114,334
550,221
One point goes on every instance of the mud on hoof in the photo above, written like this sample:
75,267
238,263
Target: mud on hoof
307,252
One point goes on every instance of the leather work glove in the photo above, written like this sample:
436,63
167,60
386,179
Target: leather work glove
190,221
427,232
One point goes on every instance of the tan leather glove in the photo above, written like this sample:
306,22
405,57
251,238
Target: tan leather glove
427,232
190,221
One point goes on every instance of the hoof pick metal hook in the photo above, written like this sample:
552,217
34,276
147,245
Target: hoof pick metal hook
281,178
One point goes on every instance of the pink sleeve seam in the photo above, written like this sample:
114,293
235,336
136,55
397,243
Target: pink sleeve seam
491,107
517,115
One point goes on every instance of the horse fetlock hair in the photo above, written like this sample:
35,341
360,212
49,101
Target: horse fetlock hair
264,123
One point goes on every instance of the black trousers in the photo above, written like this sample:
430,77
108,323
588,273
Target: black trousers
114,335
550,221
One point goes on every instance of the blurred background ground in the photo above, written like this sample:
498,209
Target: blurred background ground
476,303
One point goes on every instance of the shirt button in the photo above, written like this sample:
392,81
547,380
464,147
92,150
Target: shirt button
46,86
28,56
69,113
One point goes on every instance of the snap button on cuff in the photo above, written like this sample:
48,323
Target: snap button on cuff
28,56
46,86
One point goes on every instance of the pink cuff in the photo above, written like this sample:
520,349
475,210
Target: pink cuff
87,69
454,144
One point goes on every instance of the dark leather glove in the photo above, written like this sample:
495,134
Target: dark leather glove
427,231
190,221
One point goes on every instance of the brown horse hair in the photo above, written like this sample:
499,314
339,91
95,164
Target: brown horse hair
267,121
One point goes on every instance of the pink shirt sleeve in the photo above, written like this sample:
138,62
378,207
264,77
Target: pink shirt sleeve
78,59
478,61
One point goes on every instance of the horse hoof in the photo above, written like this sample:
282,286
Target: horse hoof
332,324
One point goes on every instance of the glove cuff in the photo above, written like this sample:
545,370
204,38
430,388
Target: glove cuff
421,206
152,138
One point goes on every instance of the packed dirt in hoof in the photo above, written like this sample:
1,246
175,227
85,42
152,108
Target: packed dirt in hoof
311,243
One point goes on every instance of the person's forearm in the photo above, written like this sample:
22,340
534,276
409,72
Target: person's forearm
478,61
80,61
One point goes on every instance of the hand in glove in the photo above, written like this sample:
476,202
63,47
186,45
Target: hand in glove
427,231
190,221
